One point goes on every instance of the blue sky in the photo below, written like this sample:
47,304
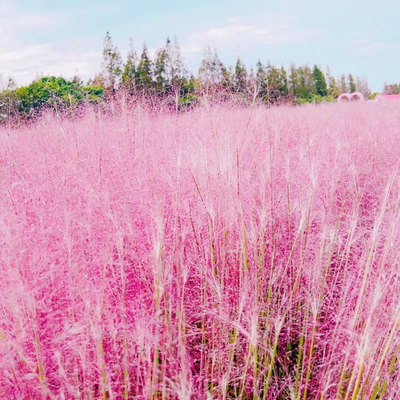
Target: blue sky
65,37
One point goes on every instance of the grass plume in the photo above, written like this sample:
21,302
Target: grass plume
224,253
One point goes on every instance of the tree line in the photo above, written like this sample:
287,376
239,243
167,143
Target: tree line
164,78
166,75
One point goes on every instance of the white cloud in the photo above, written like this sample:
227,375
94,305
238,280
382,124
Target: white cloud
242,37
24,55
6,7
234,20
27,62
271,32
367,47
23,23
84,65
17,28
367,42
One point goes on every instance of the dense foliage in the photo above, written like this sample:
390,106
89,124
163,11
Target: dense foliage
56,94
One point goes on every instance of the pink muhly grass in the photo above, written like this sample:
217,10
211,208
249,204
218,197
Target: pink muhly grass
224,253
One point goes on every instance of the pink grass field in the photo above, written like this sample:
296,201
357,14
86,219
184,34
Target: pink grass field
223,253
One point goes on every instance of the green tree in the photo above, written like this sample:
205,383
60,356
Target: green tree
180,84
176,69
352,84
213,73
284,83
343,88
305,83
129,71
293,80
144,75
333,90
240,83
160,68
112,64
262,81
319,81
277,84
170,71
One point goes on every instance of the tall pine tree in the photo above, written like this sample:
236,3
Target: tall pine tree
129,70
262,81
352,83
212,72
319,82
144,72
112,64
239,79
